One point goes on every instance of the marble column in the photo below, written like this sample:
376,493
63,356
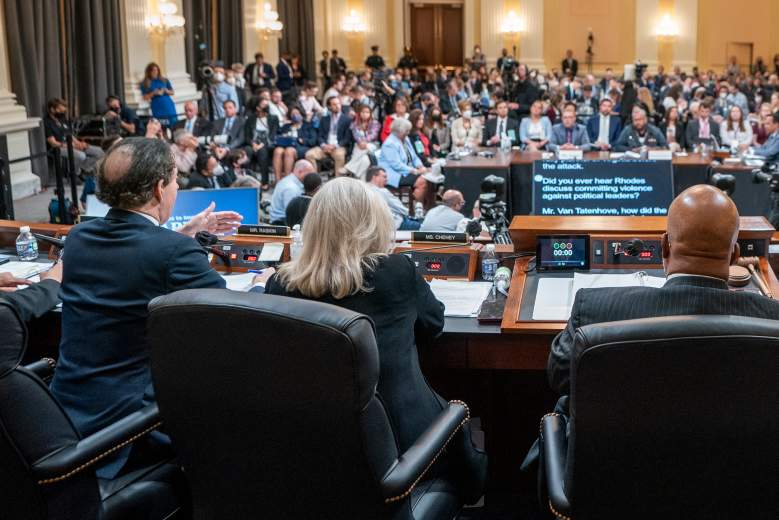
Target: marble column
686,48
531,50
15,126
139,48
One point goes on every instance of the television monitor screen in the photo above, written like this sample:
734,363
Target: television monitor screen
602,187
191,202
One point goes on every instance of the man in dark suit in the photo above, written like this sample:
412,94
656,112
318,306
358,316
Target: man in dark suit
259,74
114,267
334,136
260,131
284,73
698,248
501,126
192,122
702,129
639,133
230,127
604,127
37,298
569,65
210,174
337,65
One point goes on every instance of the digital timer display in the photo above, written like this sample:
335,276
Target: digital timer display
250,258
563,252
433,266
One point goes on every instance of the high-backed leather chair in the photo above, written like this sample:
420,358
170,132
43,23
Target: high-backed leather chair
271,404
47,469
674,417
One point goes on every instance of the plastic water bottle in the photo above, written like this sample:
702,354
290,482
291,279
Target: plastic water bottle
489,263
505,144
419,211
297,242
26,245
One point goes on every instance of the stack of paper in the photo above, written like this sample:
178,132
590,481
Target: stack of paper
555,296
25,270
239,282
460,299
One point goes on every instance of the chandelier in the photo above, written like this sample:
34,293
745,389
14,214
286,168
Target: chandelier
353,24
268,24
166,22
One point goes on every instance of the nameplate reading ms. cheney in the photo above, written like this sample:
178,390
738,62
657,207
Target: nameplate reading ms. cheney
432,236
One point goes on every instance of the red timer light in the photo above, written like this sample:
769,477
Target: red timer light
645,254
250,258
434,266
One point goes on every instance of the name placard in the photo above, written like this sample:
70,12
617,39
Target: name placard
438,236
264,229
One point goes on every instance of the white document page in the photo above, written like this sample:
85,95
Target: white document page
553,299
26,270
241,282
587,281
271,252
460,299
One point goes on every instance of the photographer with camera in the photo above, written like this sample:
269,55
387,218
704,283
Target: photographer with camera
122,115
770,149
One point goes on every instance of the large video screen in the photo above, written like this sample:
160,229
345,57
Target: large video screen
191,202
602,187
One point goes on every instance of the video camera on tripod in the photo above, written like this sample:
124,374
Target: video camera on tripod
492,208
769,174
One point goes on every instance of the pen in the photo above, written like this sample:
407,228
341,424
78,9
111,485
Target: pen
256,271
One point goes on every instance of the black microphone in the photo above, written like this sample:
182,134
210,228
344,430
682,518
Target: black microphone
633,247
56,242
209,241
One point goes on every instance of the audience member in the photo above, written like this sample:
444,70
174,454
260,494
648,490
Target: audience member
569,65
277,107
292,142
374,61
309,103
702,129
157,90
639,133
535,131
735,132
334,136
398,158
155,130
209,174
260,131
408,61
759,130
221,92
770,149
438,132
298,72
337,64
324,69
400,110
259,74
235,170
671,127
500,127
192,122
466,129
230,127
115,266
445,216
298,207
284,73
58,128
287,189
128,121
604,128
184,149
569,135
365,135
376,178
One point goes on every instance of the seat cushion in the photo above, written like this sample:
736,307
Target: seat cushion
435,498
154,492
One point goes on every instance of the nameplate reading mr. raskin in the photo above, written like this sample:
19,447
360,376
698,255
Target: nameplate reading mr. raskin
432,236
276,231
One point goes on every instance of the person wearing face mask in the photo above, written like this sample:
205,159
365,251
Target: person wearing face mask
466,129
438,132
231,78
209,174
57,128
157,90
124,116
292,142
260,131
236,163
115,266
221,91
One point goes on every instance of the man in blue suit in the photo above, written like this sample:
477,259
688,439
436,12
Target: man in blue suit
284,73
604,127
334,136
770,148
569,135
115,266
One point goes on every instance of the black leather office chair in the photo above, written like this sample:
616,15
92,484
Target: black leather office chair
47,470
674,417
271,403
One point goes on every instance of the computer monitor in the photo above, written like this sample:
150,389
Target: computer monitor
602,187
191,202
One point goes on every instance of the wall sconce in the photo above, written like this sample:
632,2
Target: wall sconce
166,22
667,29
513,25
268,24
353,24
